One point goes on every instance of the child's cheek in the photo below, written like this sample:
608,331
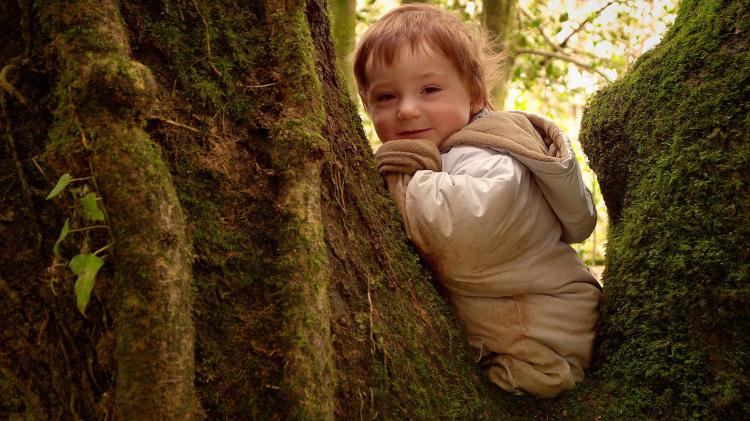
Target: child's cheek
381,127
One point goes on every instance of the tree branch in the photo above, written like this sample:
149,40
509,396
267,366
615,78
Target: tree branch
564,57
591,55
549,40
588,19
562,46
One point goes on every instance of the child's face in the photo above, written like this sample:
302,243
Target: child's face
420,95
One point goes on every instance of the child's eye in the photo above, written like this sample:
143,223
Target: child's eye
431,89
384,97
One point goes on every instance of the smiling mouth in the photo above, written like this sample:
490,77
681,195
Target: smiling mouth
412,134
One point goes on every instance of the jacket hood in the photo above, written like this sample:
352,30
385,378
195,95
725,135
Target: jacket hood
516,132
542,147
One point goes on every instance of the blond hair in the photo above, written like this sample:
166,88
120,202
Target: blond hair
420,25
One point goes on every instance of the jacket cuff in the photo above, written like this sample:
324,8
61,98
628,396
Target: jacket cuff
407,156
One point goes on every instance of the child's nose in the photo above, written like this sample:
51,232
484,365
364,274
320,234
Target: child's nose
407,109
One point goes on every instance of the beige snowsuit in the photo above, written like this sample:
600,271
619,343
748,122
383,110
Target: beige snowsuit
493,215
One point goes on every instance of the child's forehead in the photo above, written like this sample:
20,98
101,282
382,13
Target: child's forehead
389,55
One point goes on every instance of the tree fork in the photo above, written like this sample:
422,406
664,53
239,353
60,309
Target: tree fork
109,94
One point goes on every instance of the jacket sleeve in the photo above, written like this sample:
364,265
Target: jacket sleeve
450,217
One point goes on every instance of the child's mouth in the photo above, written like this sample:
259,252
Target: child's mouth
412,134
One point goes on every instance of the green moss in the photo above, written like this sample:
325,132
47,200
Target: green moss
100,97
297,134
670,140
253,233
260,262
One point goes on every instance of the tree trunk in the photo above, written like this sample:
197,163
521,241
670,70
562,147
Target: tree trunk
670,142
344,16
498,18
92,115
235,177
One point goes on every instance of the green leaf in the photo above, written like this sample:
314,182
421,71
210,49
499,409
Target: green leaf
63,233
86,266
90,209
61,184
564,17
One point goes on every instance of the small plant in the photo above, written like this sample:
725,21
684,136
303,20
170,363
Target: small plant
85,265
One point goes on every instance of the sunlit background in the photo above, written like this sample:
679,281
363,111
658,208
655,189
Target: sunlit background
562,52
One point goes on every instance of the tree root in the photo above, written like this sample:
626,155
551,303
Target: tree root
25,7
10,89
154,335
369,302
208,40
186,127
28,192
34,407
7,290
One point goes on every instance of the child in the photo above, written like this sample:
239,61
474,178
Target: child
490,199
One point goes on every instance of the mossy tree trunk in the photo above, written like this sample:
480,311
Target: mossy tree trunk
257,268
670,142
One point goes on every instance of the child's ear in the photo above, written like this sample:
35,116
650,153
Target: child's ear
477,101
476,106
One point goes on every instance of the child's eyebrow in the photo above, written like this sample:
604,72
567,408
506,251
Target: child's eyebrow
425,75
375,86
431,73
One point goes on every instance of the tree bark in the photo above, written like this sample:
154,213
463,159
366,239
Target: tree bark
498,18
100,97
344,16
308,300
670,142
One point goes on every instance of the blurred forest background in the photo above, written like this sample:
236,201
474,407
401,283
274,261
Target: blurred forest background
560,52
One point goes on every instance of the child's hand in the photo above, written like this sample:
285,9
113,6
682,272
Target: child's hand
407,156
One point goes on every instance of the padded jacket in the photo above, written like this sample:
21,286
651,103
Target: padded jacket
495,222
